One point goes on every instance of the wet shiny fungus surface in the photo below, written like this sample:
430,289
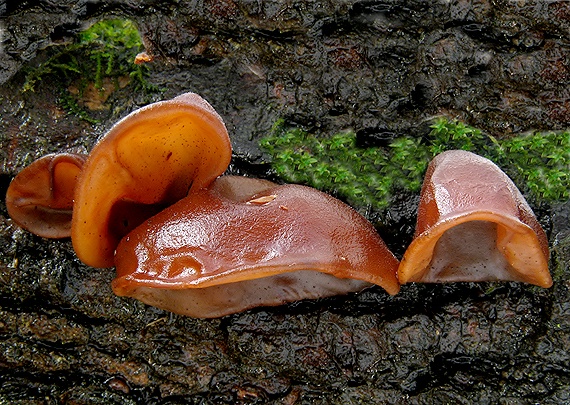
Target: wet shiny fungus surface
474,225
327,66
142,165
282,244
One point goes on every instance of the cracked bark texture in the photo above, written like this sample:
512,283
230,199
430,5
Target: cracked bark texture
374,66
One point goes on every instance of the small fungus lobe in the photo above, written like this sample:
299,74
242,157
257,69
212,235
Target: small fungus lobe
146,162
474,225
40,197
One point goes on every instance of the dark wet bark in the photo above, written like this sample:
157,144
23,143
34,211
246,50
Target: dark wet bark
373,66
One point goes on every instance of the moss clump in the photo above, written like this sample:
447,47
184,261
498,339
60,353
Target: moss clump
539,163
370,177
362,176
102,54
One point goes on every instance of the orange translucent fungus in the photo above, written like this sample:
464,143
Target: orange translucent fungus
474,225
40,197
147,161
246,243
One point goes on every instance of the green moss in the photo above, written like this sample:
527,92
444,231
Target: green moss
369,177
363,176
539,163
106,50
112,45
69,103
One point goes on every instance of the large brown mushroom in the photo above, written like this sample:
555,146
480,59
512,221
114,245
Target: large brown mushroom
246,243
147,161
40,197
474,225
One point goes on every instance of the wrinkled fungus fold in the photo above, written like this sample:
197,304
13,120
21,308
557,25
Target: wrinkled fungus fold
146,162
245,243
40,198
474,225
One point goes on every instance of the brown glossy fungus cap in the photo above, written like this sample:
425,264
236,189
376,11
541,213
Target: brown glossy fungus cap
247,243
40,197
474,225
147,161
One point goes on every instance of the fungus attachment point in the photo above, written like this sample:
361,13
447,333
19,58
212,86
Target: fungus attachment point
474,225
40,197
215,253
147,161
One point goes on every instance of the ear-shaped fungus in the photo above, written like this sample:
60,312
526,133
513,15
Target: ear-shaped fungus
474,225
40,197
246,243
148,160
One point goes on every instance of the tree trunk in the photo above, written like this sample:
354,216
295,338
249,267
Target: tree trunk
373,67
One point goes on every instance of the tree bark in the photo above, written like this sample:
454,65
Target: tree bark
374,67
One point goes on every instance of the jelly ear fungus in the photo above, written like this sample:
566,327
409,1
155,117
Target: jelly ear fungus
245,243
474,225
147,161
40,197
